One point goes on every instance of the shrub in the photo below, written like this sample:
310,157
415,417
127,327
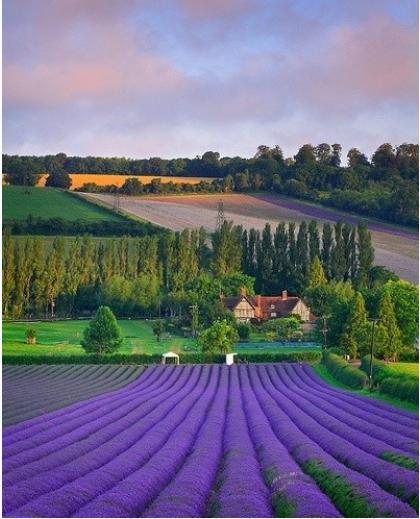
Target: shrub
138,358
30,336
391,383
244,331
408,355
343,372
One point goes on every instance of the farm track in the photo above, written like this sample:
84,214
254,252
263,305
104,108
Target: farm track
29,391
207,441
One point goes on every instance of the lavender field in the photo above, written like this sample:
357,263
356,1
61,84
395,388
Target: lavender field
215,441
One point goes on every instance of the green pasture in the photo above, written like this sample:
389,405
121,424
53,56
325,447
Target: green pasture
45,202
63,337
404,368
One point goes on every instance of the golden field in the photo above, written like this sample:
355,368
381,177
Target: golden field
78,179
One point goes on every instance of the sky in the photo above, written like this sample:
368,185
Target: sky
176,78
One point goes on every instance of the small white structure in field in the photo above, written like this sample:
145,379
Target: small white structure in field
170,355
230,358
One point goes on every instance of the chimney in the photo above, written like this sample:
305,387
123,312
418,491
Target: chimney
284,295
258,300
242,292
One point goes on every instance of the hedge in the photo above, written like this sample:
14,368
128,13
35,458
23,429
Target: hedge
392,383
404,388
343,372
408,355
184,358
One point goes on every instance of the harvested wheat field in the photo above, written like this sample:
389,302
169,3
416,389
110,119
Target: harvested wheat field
396,247
78,179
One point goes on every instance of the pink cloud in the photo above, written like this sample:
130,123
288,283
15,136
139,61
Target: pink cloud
373,62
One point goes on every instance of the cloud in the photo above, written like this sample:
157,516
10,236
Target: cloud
125,77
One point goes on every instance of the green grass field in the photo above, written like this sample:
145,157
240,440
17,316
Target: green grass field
63,337
323,373
404,368
45,202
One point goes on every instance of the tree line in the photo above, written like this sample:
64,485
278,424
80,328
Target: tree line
385,186
168,272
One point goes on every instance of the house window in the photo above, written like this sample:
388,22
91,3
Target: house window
273,314
272,307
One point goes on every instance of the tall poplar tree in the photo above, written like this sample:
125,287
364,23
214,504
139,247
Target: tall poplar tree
314,245
327,243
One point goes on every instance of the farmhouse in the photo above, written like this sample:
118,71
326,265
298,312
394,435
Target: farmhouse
262,308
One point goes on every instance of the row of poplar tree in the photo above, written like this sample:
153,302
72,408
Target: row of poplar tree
281,259
156,275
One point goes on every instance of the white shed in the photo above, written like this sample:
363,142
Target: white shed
170,355
230,358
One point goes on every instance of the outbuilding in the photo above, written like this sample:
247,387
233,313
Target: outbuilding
170,355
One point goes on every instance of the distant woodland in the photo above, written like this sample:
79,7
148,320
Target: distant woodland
384,186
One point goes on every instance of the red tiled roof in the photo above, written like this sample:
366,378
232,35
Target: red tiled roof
282,307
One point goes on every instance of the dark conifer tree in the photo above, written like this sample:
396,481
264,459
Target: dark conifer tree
314,246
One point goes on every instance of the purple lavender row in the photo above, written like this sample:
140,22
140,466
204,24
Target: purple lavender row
87,409
397,480
31,427
358,412
117,457
110,433
187,493
57,438
241,489
382,409
368,437
132,495
304,450
282,473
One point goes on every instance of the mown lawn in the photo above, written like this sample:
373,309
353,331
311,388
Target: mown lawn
404,368
46,202
63,337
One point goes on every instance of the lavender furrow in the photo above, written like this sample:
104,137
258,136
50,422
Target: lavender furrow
397,480
241,489
187,493
57,438
121,403
376,407
105,435
104,382
305,450
129,497
368,437
381,428
78,483
295,492
38,424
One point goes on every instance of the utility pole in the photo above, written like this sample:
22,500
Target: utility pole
324,330
220,214
373,320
